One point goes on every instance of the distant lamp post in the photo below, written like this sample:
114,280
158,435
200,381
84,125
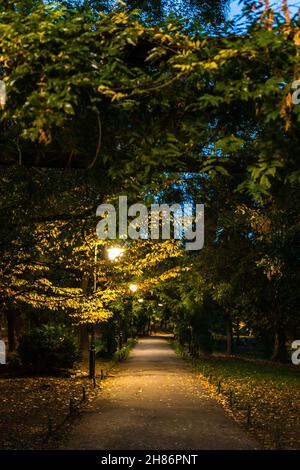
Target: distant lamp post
2,94
133,288
115,252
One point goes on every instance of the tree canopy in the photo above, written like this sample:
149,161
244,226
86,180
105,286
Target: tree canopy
101,102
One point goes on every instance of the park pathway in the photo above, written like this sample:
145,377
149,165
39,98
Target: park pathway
154,401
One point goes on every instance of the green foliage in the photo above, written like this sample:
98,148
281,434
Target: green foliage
201,335
271,390
123,353
246,278
48,348
77,77
99,101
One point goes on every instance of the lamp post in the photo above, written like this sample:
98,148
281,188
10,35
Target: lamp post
113,254
133,289
92,362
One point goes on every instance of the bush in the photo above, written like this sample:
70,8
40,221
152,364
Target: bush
14,360
48,348
123,353
100,348
204,342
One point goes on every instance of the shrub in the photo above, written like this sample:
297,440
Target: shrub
123,353
14,360
48,348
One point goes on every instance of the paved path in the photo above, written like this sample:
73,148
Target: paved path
155,402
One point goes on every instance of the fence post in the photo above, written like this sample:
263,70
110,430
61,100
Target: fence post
50,425
230,398
277,436
249,414
71,406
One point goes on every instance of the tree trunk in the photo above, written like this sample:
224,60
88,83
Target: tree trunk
280,353
11,336
237,335
83,337
267,343
229,334
125,333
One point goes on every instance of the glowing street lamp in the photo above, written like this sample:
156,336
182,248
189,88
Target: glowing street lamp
133,288
115,252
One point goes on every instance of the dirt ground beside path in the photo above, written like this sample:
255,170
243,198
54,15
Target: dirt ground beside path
154,401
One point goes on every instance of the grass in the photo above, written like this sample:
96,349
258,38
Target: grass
31,406
123,353
261,395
